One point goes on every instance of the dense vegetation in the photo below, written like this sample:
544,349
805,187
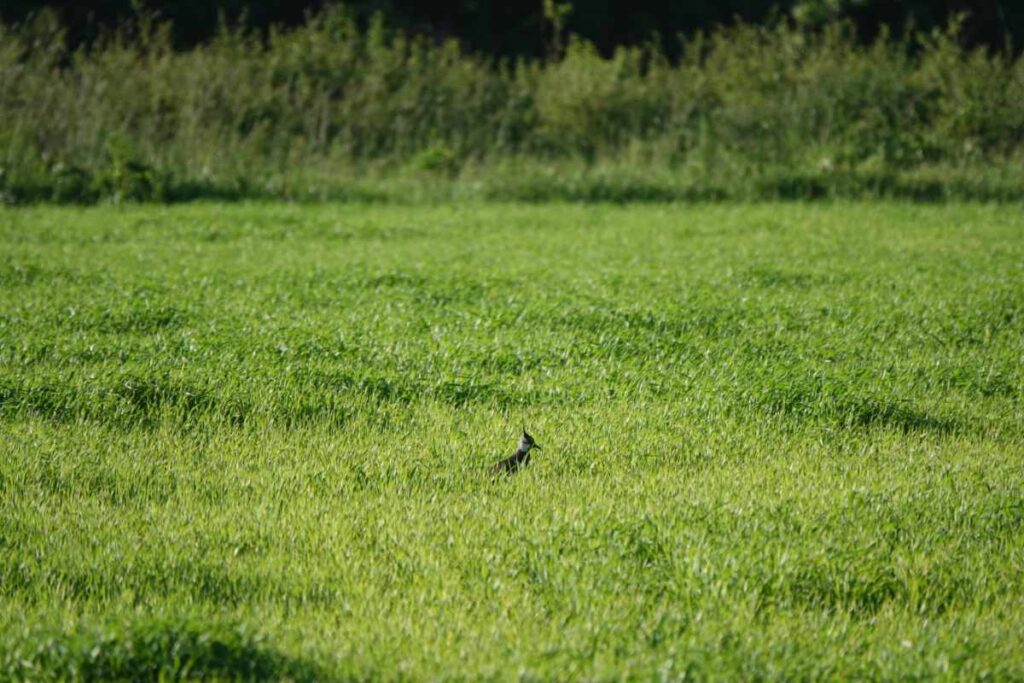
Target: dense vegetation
333,109
250,441
523,28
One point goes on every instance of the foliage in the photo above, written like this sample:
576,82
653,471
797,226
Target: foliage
131,118
526,28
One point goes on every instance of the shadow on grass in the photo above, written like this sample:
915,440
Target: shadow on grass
812,401
540,186
153,649
317,397
865,589
870,413
127,399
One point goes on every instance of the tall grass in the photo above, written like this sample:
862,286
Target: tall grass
251,441
748,110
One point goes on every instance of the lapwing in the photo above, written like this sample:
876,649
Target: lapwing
519,459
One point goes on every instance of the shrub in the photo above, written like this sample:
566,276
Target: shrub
742,108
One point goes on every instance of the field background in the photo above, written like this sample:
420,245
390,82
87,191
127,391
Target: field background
251,440
348,108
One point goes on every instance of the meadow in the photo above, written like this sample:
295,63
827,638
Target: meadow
251,441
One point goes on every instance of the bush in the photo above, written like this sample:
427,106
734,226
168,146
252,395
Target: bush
743,109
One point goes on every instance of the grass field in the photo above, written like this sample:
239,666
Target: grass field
251,441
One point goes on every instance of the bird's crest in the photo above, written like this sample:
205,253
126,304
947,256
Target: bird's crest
526,442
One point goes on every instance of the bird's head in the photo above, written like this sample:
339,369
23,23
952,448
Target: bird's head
526,442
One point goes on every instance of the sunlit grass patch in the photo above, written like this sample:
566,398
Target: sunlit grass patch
253,441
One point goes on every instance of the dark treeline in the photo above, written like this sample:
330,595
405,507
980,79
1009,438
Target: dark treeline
338,107
514,28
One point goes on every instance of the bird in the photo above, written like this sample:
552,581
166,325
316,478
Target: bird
517,460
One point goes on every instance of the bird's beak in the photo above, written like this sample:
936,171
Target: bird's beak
537,447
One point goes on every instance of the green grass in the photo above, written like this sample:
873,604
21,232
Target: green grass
782,441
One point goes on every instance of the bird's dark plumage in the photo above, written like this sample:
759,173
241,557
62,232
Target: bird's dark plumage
511,464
